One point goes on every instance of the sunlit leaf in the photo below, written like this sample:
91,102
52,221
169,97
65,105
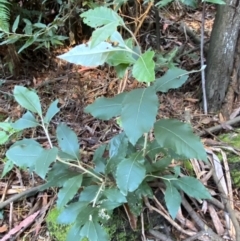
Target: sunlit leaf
179,137
143,69
139,110
68,141
27,99
27,121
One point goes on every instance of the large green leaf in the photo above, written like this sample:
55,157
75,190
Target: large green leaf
51,112
27,121
143,69
173,79
89,193
139,110
43,162
179,137
69,189
74,233
101,16
70,213
27,99
59,174
121,57
106,108
93,231
173,199
84,55
103,33
135,203
192,187
114,195
130,173
24,155
68,141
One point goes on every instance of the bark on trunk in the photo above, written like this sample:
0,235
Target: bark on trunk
220,59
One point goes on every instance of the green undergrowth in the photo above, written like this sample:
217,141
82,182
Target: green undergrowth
233,139
118,228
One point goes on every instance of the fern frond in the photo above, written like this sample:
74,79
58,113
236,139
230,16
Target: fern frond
4,15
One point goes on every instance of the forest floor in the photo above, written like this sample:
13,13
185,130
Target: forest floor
75,87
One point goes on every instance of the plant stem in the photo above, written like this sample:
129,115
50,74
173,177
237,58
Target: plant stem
79,167
98,193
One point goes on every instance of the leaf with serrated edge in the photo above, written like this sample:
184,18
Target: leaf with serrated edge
43,162
192,187
27,99
24,155
172,199
84,55
52,111
100,16
101,34
106,108
179,137
68,141
89,193
115,195
143,69
173,79
139,110
118,145
27,121
69,189
93,231
130,173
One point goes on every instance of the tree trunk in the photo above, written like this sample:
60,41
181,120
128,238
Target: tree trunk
220,59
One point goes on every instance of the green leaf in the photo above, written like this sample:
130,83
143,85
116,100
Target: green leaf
68,141
69,189
24,155
59,174
118,145
130,173
89,193
173,199
74,233
26,142
94,232
70,213
27,99
86,214
215,1
135,203
8,166
101,16
109,205
179,137
139,110
51,112
84,55
121,57
103,33
27,121
173,79
163,3
3,137
121,70
15,24
98,159
29,42
6,126
191,3
192,187
43,162
143,69
144,190
106,108
115,195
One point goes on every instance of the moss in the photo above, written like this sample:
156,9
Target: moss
233,139
118,228
57,231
